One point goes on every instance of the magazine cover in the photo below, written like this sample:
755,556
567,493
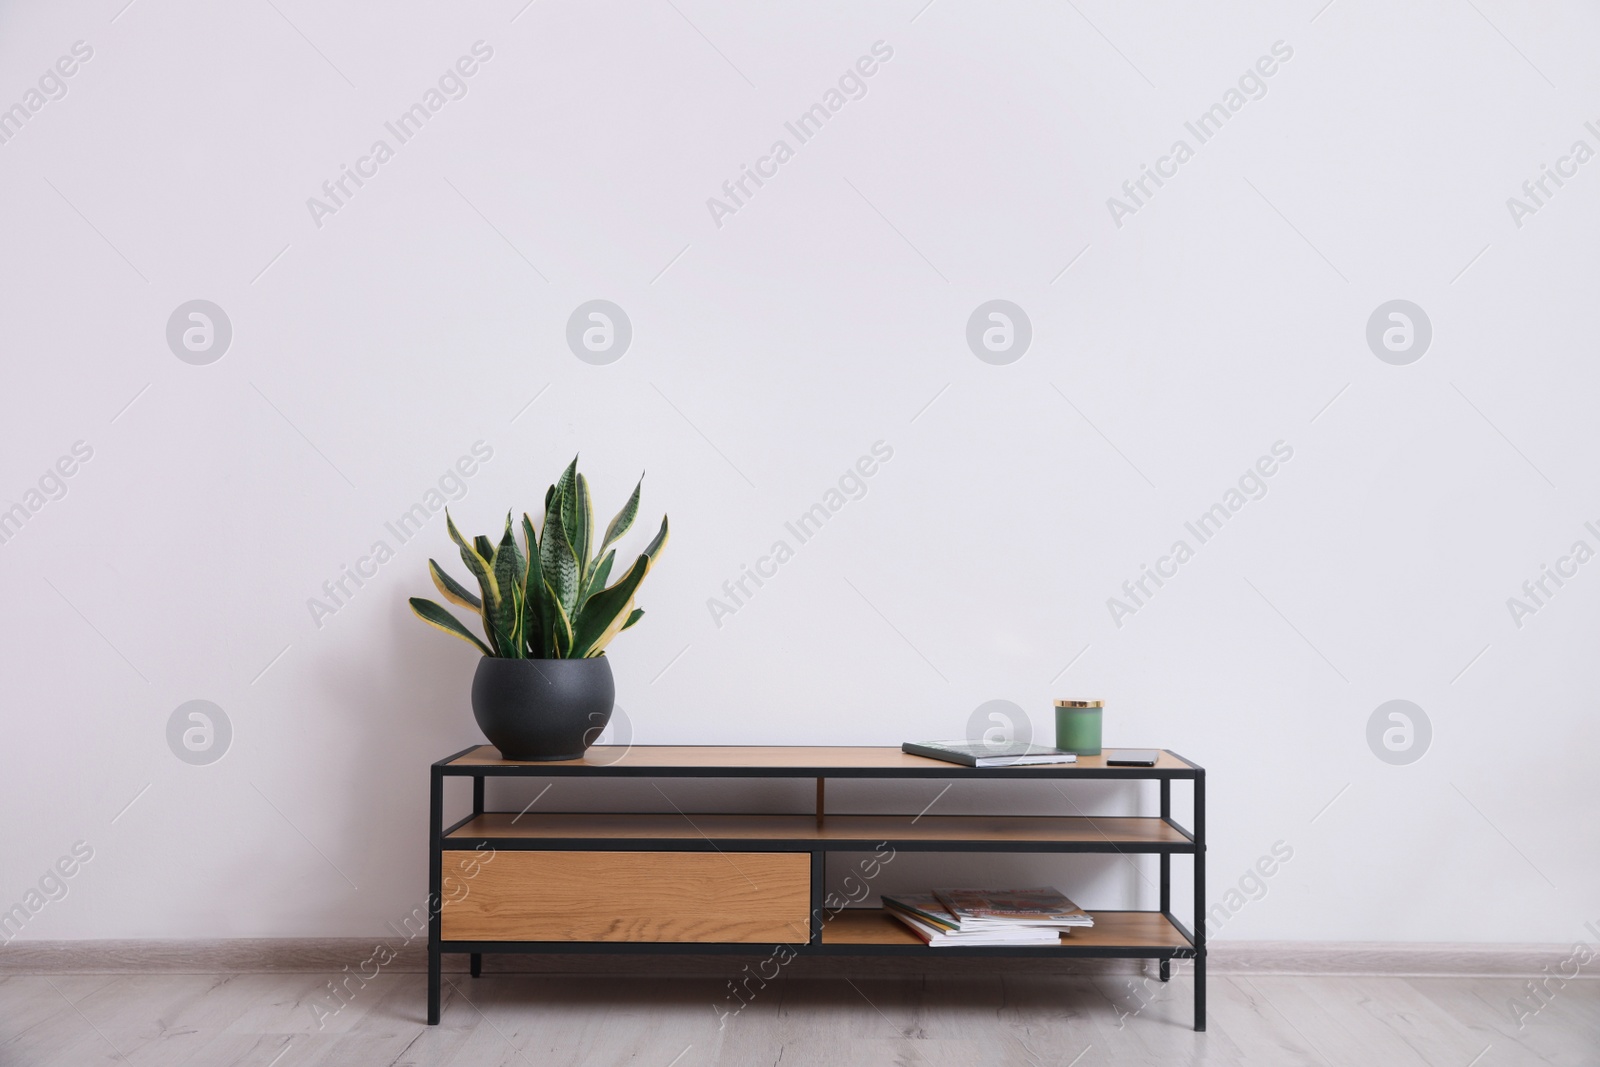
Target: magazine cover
1043,905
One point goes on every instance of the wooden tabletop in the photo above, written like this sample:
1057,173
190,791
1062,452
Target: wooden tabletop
799,761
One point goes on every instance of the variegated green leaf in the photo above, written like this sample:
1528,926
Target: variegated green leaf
440,619
624,518
567,494
605,639
657,543
455,534
597,580
560,567
583,538
552,512
480,569
518,643
510,572
598,645
453,590
535,611
483,572
491,591
609,607
561,627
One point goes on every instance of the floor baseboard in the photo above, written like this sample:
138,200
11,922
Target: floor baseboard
332,955
1386,958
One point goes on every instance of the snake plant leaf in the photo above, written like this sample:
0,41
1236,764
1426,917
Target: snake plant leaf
569,478
552,510
561,627
598,645
440,619
596,580
450,526
508,533
624,518
560,567
485,548
569,493
484,573
535,613
657,543
634,616
550,537
608,608
467,547
565,486
509,562
518,644
452,589
510,574
583,539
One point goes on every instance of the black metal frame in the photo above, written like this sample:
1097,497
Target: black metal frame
1194,845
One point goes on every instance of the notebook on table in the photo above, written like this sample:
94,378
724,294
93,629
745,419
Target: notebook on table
983,754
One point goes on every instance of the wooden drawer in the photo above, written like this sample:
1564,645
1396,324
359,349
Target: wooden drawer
631,896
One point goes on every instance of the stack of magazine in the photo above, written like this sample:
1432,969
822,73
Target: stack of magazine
988,917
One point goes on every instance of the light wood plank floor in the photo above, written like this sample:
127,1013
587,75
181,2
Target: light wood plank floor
267,1020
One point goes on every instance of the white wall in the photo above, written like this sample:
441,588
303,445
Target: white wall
828,313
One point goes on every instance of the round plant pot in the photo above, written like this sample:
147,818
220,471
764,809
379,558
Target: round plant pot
542,709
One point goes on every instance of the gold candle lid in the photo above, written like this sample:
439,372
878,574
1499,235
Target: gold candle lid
1080,703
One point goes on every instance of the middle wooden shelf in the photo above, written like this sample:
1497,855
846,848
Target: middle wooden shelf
989,833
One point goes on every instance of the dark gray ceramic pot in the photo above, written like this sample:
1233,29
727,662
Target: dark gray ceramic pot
542,709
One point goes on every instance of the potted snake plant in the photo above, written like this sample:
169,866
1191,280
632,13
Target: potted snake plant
543,689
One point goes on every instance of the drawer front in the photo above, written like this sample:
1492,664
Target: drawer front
631,896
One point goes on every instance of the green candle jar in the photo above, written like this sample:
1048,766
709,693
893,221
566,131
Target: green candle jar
1078,726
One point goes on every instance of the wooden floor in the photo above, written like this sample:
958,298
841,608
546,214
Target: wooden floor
267,1020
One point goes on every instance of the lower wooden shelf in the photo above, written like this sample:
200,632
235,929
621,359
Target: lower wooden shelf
1111,930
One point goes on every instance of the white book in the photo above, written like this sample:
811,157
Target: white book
988,938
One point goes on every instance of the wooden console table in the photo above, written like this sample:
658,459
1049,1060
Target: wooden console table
677,882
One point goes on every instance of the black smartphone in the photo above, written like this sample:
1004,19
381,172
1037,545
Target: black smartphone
1132,757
